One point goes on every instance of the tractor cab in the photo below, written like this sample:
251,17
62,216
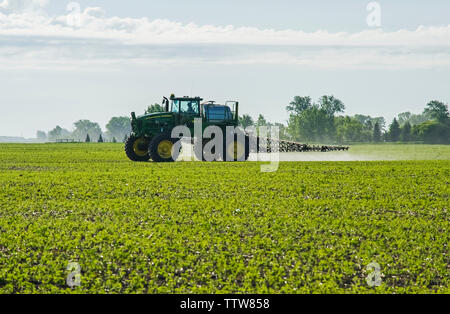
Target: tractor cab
186,106
185,109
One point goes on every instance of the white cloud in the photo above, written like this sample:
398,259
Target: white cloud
34,36
23,5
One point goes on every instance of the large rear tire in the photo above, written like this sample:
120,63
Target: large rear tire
161,148
136,149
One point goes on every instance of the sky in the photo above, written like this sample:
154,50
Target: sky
64,61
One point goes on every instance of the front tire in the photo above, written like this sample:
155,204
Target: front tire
161,148
136,149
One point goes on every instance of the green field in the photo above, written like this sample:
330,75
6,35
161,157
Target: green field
190,227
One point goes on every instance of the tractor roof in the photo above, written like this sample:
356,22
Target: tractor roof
187,98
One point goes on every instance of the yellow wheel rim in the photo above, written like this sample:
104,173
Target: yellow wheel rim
137,145
236,150
165,149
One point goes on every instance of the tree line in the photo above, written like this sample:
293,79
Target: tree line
321,121
117,130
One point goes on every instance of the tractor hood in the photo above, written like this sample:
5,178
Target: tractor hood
156,116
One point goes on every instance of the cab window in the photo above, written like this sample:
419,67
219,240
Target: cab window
189,107
218,113
175,106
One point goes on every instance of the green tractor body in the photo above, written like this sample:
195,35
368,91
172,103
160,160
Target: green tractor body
151,133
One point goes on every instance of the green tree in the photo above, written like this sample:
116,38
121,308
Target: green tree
84,127
118,126
349,129
41,135
299,104
438,111
314,122
394,131
406,132
154,109
261,121
58,133
331,105
88,138
114,140
377,136
311,124
100,139
432,132
412,119
246,121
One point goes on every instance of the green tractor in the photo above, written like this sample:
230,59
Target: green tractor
151,136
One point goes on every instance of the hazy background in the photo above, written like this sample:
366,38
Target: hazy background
120,56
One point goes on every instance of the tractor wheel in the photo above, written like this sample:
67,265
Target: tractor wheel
237,151
161,148
136,148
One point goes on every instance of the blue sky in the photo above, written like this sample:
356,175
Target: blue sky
124,55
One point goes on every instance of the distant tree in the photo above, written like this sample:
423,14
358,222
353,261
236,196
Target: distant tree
331,105
261,121
394,131
405,135
438,111
58,133
118,126
154,108
363,118
310,126
349,129
246,121
404,117
100,139
432,132
41,135
381,122
377,133
314,122
299,104
412,119
114,140
85,127
88,138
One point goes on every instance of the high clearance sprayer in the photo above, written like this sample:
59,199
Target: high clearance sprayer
153,138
